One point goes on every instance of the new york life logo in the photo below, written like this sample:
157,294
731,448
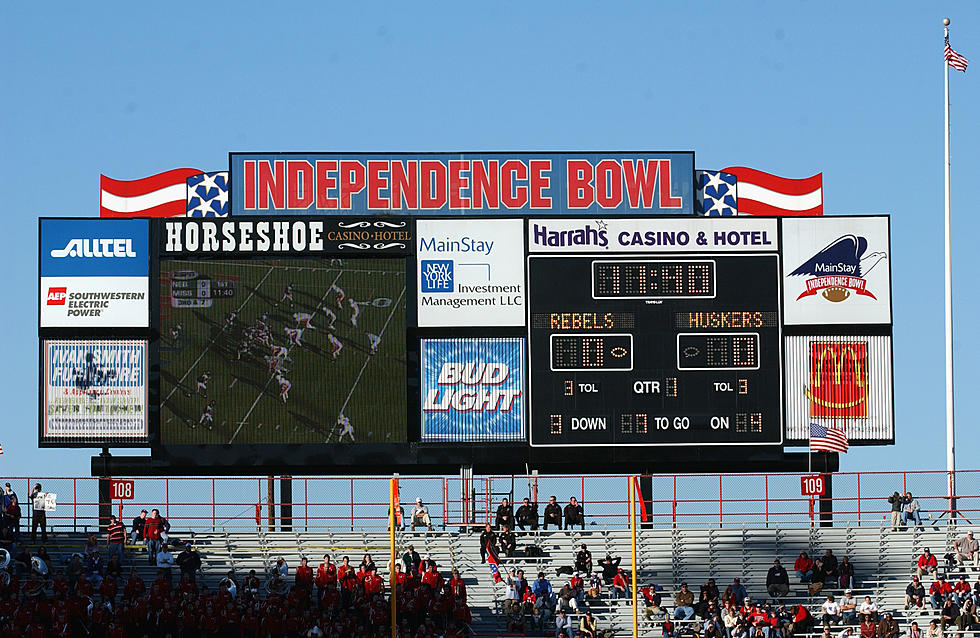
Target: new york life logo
838,269
437,275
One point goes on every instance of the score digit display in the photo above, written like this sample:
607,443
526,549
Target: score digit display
655,351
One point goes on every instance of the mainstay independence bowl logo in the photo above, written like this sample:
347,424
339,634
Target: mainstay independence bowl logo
840,268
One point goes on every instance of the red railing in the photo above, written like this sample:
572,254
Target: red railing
356,503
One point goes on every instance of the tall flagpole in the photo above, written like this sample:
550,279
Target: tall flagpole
950,431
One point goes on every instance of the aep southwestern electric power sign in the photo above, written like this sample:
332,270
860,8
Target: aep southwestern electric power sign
94,273
594,183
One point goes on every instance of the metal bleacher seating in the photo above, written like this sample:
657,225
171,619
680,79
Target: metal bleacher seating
883,560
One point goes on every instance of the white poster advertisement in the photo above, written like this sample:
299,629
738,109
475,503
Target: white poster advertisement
836,270
95,389
470,272
669,235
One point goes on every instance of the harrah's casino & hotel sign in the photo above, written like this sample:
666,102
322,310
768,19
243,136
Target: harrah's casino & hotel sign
659,183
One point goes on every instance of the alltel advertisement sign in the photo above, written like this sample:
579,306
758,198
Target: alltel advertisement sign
94,273
463,183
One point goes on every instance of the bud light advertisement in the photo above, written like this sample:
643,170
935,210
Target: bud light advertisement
473,390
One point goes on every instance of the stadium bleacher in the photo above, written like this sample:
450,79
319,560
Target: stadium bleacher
883,561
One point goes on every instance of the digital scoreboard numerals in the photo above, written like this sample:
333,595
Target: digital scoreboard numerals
705,351
653,279
592,352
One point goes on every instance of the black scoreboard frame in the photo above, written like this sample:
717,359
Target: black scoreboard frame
416,457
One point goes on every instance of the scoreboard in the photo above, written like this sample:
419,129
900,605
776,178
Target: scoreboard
655,350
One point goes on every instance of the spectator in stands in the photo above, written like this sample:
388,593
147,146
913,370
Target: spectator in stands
888,627
563,626
831,612
803,567
515,618
897,501
190,562
949,614
739,590
38,514
683,603
609,567
829,568
620,588
961,590
544,609
520,581
457,587
326,572
505,514
542,587
574,514
367,563
583,560
847,632
411,560
12,515
420,516
967,549
115,538
527,515
926,564
566,600
846,571
869,608
915,594
777,580
707,595
151,532
166,562
848,608
8,494
588,627
577,584
933,631
552,513
911,511
914,631
653,600
967,620
508,541
976,591
802,621
136,529
512,590
940,591
868,627
399,517
488,538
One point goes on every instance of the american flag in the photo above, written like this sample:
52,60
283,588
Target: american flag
493,562
954,59
176,193
826,439
716,194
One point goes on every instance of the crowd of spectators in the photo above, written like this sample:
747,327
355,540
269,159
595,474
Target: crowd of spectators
88,596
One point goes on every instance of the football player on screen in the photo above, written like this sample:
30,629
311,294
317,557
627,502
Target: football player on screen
335,343
341,295
202,384
284,386
344,428
303,320
287,295
355,311
375,341
293,336
175,334
330,315
207,416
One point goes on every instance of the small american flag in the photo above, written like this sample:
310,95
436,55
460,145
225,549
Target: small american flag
954,59
826,439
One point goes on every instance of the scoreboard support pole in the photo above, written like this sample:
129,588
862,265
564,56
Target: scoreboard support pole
392,500
286,507
632,511
105,503
646,494
827,501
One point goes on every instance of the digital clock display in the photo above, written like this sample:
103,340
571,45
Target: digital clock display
655,350
653,279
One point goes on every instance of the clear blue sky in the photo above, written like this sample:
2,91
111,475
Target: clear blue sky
853,90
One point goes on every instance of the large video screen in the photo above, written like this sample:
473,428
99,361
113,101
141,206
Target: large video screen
283,351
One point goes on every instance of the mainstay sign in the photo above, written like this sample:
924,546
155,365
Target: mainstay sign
647,183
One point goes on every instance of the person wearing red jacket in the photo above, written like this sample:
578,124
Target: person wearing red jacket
432,578
926,564
940,591
399,580
152,530
374,585
325,573
456,586
304,576
803,566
